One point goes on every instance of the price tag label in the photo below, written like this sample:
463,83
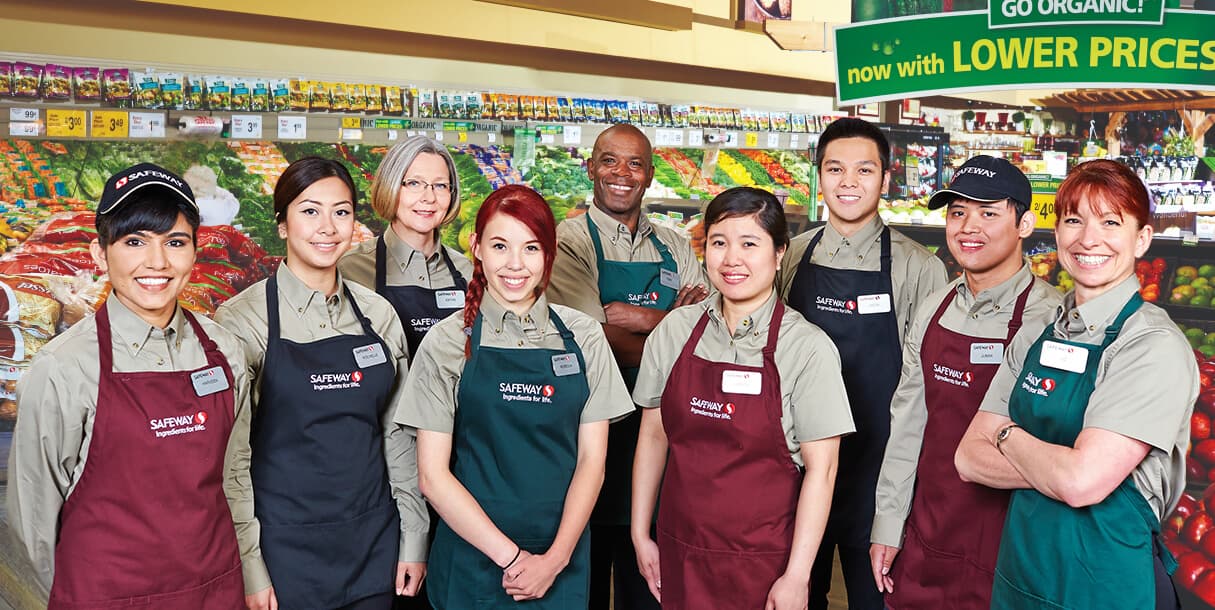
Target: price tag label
548,138
110,124
26,130
352,134
147,124
696,137
392,135
247,126
351,122
462,136
572,135
773,140
493,137
292,127
22,114
438,136
752,139
795,141
731,139
65,123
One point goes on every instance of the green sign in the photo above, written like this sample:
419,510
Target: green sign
957,52
458,126
391,124
550,129
1016,13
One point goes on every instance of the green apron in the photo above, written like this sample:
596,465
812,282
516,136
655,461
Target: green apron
514,448
1055,556
645,284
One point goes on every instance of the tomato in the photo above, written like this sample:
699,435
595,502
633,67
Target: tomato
1158,265
1205,587
1205,451
1195,528
1200,423
1142,267
1191,565
1194,471
1150,293
1208,545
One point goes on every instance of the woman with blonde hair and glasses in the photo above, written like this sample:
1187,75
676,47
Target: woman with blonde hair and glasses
416,191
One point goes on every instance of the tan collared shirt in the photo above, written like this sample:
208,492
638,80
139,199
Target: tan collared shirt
984,315
405,266
57,406
814,403
1147,381
434,379
575,278
306,315
915,272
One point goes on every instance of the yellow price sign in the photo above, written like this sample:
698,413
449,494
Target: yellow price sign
462,136
752,140
351,122
65,123
110,124
1043,205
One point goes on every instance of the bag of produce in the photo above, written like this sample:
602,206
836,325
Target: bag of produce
280,95
147,91
393,102
6,78
116,86
172,94
28,301
373,98
26,78
219,92
194,92
56,82
241,93
259,97
300,92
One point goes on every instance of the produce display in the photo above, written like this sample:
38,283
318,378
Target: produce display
1193,285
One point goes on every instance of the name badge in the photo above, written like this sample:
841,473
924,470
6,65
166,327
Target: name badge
1063,356
741,382
449,299
209,381
566,364
872,303
986,353
370,355
668,278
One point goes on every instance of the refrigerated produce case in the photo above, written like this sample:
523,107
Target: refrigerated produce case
918,160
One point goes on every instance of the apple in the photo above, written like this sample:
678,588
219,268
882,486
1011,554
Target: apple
1204,588
1174,523
1191,565
1195,528
1200,425
1194,471
1187,506
1204,450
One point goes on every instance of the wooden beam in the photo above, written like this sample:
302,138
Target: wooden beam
645,13
1113,143
799,35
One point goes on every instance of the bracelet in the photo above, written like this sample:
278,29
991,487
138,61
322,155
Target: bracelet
512,562
1003,435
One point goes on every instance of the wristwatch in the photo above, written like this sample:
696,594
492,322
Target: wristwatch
1002,435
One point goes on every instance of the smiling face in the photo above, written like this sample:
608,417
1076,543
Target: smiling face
985,239
1098,247
148,270
741,260
318,225
620,168
420,213
852,182
512,260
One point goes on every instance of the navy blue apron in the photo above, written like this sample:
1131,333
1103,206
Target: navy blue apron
418,307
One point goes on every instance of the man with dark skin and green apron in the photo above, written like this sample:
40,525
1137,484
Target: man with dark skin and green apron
615,266
1088,422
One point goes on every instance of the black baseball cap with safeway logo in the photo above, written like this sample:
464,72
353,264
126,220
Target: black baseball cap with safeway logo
985,178
141,177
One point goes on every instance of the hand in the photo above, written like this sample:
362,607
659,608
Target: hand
409,577
633,318
788,593
689,295
262,600
647,563
880,559
532,575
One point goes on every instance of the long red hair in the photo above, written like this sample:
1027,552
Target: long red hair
528,207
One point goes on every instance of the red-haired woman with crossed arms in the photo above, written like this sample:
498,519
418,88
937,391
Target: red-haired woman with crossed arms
512,402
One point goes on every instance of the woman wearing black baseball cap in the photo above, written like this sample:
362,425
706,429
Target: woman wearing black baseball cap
133,424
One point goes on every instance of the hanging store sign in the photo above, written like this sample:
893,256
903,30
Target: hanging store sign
1017,13
957,52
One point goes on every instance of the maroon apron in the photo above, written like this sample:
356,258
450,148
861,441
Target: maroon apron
948,558
148,525
729,496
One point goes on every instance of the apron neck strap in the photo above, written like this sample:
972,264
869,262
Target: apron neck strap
886,250
381,263
273,326
208,344
594,233
1014,324
567,337
105,343
1111,332
456,278
778,315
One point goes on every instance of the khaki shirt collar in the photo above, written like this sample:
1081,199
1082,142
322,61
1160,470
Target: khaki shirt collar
833,240
751,325
501,318
402,253
1001,297
1093,317
614,230
129,329
301,298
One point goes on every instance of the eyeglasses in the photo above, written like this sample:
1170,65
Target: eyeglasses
417,186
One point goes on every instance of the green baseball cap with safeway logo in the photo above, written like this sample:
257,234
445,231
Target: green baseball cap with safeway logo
140,177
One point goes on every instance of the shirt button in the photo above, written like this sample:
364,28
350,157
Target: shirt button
420,278
1075,315
160,361
135,345
520,344
301,310
860,257
997,308
322,326
497,331
746,322
975,316
1092,327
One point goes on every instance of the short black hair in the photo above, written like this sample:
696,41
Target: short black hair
745,201
849,127
148,209
302,174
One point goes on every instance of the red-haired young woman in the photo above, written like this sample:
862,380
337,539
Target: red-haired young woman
511,403
1088,423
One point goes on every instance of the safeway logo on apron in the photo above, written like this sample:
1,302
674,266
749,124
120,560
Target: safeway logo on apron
644,299
335,381
179,424
946,374
709,408
1037,385
835,305
526,392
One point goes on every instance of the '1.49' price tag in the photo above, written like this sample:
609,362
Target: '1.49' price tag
246,126
110,124
292,127
147,124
